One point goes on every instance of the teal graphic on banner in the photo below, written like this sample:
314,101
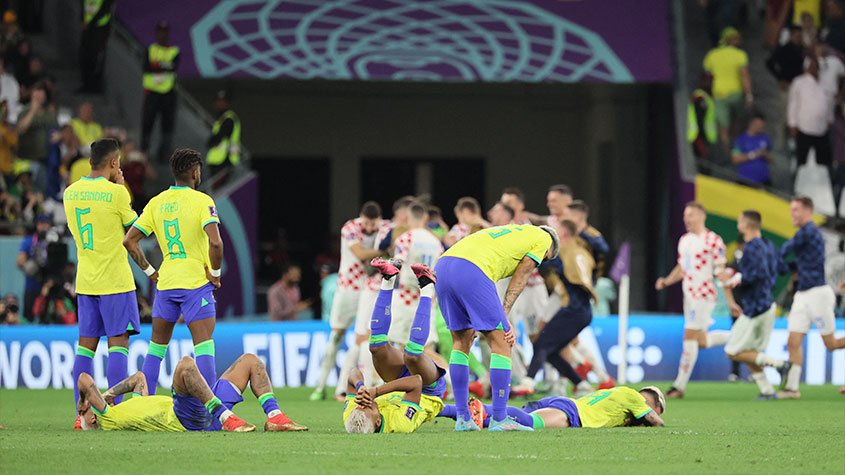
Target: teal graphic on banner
435,40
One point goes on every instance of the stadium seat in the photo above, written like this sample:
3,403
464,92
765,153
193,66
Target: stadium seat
813,180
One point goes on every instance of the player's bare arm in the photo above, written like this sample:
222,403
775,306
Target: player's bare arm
132,244
673,278
136,383
364,254
652,419
517,284
410,385
355,377
215,253
89,395
535,219
736,310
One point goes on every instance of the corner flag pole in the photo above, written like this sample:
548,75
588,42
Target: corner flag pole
621,272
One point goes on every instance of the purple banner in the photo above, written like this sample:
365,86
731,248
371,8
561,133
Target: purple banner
433,40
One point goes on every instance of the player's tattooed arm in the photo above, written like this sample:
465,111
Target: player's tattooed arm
89,394
132,244
410,385
137,383
517,284
652,419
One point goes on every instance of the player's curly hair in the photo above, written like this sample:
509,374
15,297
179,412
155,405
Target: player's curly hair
183,161
359,423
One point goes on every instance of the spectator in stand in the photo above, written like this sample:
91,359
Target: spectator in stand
729,66
10,310
17,59
69,150
807,8
34,122
9,209
751,153
10,92
831,69
776,13
809,31
136,170
96,23
8,142
328,287
86,130
10,32
160,67
810,116
835,13
28,199
702,131
283,298
786,64
36,75
32,260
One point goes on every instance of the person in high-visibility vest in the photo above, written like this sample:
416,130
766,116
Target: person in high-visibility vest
224,145
160,67
96,24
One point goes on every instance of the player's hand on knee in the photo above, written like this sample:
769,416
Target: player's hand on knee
510,338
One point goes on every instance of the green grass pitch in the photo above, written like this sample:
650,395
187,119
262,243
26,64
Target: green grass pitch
717,428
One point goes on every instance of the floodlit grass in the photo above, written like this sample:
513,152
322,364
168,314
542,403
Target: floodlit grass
716,428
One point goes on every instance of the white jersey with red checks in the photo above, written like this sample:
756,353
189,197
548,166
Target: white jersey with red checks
700,256
459,231
417,246
374,281
351,275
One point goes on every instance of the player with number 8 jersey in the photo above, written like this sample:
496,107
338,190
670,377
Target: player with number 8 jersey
98,212
185,223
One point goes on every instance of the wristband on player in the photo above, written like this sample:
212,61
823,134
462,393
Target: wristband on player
358,385
215,272
150,270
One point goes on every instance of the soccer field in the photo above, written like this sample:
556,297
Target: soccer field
717,428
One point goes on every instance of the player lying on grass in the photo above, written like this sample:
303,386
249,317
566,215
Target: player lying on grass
615,407
415,385
193,407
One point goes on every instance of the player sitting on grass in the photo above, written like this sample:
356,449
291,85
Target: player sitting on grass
615,407
193,407
415,385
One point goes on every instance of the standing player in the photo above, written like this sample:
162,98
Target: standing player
416,246
814,299
357,242
701,255
466,289
574,282
186,226
98,211
468,212
756,308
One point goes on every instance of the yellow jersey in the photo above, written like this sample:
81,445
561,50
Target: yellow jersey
178,217
498,251
725,63
398,415
611,407
97,213
145,413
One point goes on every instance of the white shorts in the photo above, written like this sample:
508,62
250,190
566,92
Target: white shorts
698,314
402,317
751,334
344,308
366,305
813,306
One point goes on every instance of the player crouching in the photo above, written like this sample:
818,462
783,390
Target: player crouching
415,385
615,407
193,407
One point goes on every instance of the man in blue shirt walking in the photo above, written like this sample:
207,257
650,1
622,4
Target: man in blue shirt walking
814,299
753,303
751,153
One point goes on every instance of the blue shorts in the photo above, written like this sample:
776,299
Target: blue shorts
467,297
108,315
193,304
193,414
437,388
560,403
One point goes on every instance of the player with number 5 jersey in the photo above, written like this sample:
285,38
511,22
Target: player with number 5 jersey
185,223
98,212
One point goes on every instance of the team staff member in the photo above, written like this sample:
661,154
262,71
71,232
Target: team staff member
224,145
185,223
98,211
159,78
